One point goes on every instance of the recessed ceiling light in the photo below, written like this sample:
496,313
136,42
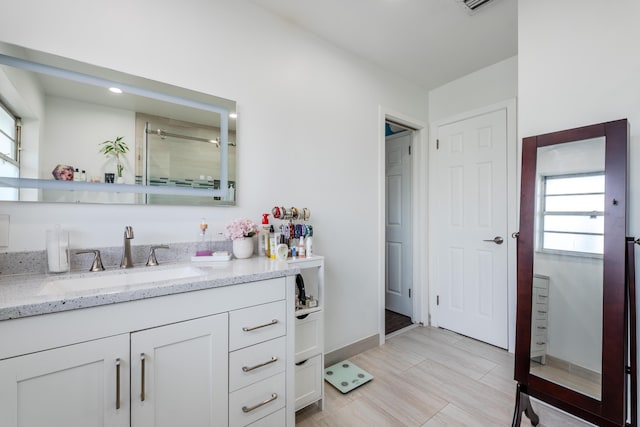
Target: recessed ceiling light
115,89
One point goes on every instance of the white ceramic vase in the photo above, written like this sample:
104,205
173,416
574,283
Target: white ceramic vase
243,248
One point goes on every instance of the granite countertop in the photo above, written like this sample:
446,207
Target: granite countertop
32,295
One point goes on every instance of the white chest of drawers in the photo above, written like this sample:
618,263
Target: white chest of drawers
539,317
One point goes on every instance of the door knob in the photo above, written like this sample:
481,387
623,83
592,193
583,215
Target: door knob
498,240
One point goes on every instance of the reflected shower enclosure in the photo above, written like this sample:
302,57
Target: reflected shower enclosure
173,153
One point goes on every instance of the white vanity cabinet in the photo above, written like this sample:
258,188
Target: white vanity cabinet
76,385
160,362
179,374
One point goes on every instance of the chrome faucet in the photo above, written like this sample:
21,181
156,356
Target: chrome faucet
126,251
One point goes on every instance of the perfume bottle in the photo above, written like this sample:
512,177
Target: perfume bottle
203,246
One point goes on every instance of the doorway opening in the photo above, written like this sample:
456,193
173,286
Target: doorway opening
399,257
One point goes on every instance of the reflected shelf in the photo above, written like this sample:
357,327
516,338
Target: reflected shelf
47,184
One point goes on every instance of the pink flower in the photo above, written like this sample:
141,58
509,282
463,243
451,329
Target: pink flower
240,228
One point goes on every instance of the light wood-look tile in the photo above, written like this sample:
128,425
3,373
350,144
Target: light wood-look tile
429,377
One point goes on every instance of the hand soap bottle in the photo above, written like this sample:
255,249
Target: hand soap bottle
203,248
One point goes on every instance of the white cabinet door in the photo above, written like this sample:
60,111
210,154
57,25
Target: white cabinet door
179,374
72,386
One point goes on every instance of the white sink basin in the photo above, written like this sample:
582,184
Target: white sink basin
119,278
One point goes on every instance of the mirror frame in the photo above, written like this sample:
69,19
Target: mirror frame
611,408
145,88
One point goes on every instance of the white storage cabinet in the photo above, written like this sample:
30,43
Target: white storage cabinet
309,332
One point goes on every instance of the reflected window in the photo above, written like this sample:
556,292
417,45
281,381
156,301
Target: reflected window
9,140
573,213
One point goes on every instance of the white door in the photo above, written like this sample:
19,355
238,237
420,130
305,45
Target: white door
81,385
398,243
471,227
179,374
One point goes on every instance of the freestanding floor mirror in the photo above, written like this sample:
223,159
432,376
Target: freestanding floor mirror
574,313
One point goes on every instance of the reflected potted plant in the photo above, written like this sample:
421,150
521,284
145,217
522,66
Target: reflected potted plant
115,148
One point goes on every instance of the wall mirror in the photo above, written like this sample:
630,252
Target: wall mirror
181,143
571,331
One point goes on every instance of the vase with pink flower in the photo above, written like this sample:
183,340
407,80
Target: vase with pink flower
241,232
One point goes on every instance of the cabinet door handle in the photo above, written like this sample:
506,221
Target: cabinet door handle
273,397
253,328
142,360
118,383
268,362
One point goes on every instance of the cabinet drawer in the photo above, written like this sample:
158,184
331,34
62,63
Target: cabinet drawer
277,419
538,344
539,327
309,377
256,324
540,296
309,336
256,401
540,311
255,363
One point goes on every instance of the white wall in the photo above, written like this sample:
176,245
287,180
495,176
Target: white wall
308,128
577,66
492,84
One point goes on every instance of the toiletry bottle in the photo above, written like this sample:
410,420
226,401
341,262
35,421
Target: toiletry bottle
83,176
264,237
76,175
301,248
273,242
202,246
309,246
232,193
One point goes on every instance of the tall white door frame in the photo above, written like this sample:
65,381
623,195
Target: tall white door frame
512,208
419,163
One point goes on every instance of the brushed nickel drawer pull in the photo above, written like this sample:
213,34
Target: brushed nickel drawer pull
273,397
541,343
142,360
247,329
268,362
118,383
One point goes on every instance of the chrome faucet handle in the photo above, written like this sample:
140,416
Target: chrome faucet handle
97,261
152,255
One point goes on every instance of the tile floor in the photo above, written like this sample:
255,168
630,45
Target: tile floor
430,377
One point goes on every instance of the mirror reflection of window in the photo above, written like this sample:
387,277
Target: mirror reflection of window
573,213
9,166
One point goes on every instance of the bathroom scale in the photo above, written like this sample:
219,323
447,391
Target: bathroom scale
346,375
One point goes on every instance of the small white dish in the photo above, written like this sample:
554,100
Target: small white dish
217,256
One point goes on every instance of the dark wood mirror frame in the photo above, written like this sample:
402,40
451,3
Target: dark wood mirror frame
611,409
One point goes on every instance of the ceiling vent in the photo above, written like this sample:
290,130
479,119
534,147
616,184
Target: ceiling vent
472,5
